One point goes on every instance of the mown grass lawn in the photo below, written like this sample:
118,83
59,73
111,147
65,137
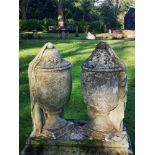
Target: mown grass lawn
75,51
54,36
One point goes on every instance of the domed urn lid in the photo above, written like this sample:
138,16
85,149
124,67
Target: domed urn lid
50,58
103,58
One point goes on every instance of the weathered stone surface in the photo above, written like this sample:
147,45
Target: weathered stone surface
126,34
50,88
76,142
104,84
90,36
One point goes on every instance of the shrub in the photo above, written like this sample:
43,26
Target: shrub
42,25
30,25
35,25
48,22
71,22
83,26
120,22
96,27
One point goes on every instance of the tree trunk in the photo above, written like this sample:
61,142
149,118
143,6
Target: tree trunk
60,13
23,9
77,31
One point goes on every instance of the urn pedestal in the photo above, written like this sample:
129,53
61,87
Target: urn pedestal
104,84
76,142
50,87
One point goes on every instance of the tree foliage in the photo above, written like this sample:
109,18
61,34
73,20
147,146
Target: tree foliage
112,12
108,13
107,10
38,9
124,6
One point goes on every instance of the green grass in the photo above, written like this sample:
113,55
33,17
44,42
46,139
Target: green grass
75,51
45,35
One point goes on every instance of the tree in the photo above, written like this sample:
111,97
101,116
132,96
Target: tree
37,9
113,11
83,9
24,6
108,14
123,8
60,13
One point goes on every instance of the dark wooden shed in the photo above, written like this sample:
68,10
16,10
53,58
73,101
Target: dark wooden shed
129,19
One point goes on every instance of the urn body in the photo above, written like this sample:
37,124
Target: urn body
53,88
104,87
50,87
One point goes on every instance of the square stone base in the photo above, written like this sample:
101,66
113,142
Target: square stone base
75,142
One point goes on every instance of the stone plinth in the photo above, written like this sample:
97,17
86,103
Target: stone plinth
76,142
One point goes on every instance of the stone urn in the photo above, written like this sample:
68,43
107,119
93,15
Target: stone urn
50,87
104,85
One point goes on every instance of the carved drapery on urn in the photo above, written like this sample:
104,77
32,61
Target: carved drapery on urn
104,85
50,87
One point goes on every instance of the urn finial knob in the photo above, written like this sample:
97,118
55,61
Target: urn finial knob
50,45
102,45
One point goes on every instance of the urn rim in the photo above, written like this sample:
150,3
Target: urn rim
55,68
101,69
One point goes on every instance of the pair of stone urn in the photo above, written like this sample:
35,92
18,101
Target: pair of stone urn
104,86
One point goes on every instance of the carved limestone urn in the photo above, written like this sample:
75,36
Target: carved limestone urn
104,85
50,87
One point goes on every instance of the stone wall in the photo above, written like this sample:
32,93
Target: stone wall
119,34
